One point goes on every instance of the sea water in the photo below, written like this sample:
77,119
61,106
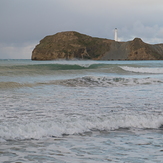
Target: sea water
81,111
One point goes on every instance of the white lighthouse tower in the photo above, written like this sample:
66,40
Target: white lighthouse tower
116,34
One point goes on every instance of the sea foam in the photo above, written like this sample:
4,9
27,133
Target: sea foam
79,125
143,69
102,81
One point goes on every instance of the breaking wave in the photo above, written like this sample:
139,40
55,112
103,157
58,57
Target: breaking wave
79,124
107,81
56,66
143,70
86,81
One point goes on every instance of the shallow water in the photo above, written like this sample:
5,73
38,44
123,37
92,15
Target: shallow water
81,111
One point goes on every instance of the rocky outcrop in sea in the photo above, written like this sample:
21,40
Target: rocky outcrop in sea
74,45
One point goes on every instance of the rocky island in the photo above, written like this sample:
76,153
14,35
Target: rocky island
73,45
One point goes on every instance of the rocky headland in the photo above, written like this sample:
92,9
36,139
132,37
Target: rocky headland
73,45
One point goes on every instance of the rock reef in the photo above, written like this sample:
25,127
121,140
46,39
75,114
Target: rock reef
73,45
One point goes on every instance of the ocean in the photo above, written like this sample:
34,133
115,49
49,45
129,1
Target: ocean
81,111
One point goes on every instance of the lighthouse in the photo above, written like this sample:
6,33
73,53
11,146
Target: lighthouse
116,34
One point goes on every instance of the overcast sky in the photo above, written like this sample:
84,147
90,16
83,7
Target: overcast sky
23,23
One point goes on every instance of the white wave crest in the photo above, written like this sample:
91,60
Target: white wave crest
79,125
107,81
143,69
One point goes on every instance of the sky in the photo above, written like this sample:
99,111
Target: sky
23,23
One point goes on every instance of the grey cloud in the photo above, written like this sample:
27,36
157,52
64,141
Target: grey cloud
28,21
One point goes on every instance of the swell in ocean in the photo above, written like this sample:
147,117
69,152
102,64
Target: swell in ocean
81,111
87,81
50,66
54,98
78,73
77,123
19,126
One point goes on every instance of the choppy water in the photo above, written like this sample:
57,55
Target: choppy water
81,111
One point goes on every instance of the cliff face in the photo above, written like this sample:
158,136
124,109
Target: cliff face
70,45
143,51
